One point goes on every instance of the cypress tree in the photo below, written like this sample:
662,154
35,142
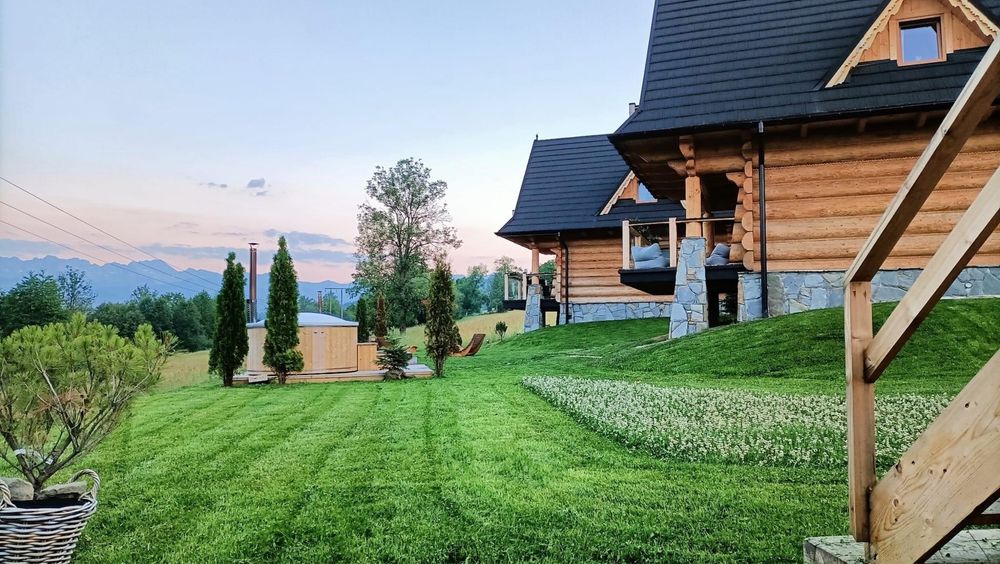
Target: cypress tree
381,324
361,313
230,345
441,331
280,346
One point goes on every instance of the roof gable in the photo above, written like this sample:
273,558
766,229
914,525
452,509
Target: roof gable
715,64
965,23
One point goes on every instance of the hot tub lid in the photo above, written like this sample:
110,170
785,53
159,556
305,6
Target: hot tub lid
313,320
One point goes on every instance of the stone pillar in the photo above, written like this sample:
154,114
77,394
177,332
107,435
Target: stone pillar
689,311
749,299
534,318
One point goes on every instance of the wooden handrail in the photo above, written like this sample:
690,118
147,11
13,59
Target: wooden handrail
876,507
682,221
970,233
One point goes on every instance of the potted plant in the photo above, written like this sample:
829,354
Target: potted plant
63,389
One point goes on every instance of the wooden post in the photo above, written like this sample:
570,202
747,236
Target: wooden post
673,242
692,195
692,187
534,265
626,245
860,406
709,230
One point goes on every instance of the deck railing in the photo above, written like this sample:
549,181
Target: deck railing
515,286
950,474
634,234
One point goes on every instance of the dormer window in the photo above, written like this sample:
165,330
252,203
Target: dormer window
920,41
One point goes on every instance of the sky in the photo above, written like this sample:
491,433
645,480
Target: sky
189,128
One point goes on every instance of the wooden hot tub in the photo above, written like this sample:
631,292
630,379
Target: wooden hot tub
328,345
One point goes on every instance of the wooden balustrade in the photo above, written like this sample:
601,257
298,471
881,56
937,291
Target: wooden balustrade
632,236
949,475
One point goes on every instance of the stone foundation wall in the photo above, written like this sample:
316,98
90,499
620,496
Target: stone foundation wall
792,292
615,311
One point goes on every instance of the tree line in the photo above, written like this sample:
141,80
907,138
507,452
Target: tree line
41,299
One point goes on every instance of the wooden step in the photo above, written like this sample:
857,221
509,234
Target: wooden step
989,517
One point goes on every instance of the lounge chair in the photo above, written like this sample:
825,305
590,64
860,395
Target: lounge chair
473,347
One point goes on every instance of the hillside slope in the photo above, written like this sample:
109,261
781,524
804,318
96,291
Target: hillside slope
794,352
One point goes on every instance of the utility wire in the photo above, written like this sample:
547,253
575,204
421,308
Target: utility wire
108,249
115,264
85,222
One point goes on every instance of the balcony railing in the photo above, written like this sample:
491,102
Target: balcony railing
515,286
667,233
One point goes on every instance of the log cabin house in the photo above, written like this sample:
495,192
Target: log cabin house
779,129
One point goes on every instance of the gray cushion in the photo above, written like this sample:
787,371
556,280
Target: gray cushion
645,253
719,256
658,262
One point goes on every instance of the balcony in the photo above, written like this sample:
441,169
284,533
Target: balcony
660,281
515,290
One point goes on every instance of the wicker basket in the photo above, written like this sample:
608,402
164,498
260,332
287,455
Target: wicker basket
45,534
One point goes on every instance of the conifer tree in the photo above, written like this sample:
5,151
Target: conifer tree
441,331
230,345
381,323
361,313
280,346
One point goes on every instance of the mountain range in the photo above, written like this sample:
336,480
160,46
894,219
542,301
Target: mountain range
115,282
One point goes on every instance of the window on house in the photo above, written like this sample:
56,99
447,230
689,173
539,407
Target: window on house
645,196
920,41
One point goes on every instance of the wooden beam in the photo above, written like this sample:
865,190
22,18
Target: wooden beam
534,265
970,234
972,105
949,475
860,406
626,245
692,194
672,234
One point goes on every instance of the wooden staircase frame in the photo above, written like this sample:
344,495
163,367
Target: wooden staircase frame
951,474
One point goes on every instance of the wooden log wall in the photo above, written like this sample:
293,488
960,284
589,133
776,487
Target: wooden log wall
593,274
827,190
742,241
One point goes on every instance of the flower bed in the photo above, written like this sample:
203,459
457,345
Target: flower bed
734,426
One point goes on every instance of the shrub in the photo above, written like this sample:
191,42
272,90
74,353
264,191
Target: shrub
281,352
64,387
230,345
393,358
442,333
501,329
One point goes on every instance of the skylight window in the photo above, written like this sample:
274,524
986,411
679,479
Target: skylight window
920,41
645,196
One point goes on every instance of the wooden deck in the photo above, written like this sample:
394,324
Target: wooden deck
412,371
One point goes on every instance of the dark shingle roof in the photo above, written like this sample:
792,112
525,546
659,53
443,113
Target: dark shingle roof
714,63
567,184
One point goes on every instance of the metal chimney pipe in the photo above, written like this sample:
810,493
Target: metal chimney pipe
253,282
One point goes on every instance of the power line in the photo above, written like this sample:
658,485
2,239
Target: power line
108,249
85,222
115,264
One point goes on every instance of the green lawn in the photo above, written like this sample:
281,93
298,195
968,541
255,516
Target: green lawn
476,466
